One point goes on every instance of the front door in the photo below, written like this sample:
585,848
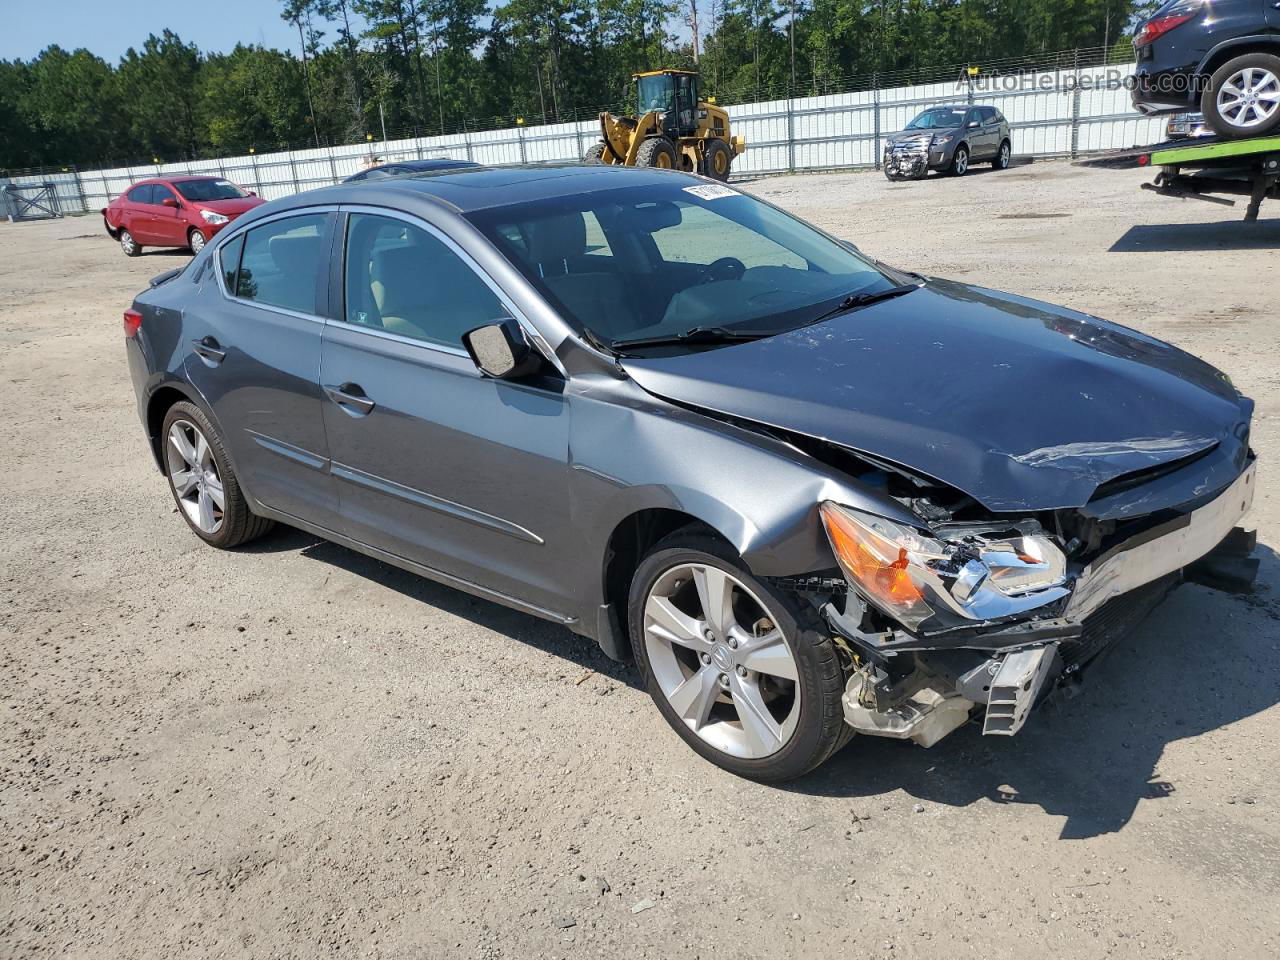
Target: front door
434,462
170,226
253,351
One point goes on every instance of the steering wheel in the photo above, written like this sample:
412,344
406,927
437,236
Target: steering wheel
726,268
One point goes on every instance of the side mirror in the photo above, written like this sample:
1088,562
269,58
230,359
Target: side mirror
171,202
975,123
499,350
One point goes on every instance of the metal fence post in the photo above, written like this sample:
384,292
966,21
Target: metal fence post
293,173
875,100
333,165
466,142
791,132
1075,107
577,132
524,157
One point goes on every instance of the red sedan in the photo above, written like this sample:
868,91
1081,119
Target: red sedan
174,212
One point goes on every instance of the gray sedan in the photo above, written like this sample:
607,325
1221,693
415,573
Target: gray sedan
948,139
809,494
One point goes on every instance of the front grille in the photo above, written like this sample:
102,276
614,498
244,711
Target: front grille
1115,619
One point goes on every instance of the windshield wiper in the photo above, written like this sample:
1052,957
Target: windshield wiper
696,335
856,300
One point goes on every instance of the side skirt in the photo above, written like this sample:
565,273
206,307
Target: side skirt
439,576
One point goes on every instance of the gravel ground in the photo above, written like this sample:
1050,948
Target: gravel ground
295,751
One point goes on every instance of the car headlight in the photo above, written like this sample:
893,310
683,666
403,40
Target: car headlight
943,141
912,575
214,218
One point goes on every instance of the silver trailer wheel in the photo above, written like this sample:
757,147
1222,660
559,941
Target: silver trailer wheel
720,660
193,471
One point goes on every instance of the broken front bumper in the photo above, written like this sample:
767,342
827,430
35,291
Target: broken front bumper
1005,669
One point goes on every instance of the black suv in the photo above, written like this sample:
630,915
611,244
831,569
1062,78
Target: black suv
1219,56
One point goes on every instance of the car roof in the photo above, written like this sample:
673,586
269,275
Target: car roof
467,189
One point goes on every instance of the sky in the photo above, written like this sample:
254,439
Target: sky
109,27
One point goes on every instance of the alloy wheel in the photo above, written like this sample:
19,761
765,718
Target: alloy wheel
1004,155
962,162
197,241
127,242
193,471
1250,97
721,661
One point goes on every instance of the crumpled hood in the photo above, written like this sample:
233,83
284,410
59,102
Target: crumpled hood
1021,405
925,135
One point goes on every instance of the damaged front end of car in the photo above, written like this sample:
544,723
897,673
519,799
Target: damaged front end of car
956,619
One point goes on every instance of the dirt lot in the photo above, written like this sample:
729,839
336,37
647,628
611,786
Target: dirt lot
295,751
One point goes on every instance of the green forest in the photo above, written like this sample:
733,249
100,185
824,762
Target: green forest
424,67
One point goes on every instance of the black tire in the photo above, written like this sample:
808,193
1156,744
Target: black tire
1223,125
191,240
717,159
820,730
130,246
959,161
239,523
657,152
1001,160
594,154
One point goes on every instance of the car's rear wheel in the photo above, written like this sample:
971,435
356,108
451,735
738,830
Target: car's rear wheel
130,246
1243,96
736,666
196,240
202,482
1002,157
960,162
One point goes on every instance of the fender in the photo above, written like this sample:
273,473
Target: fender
1268,39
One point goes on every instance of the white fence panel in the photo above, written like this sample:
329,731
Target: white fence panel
1052,113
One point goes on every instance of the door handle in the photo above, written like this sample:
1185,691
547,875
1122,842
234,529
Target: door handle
351,398
209,350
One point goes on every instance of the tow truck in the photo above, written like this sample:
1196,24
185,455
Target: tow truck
1206,170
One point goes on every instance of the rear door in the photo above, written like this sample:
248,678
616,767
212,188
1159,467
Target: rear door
978,133
138,218
253,351
434,462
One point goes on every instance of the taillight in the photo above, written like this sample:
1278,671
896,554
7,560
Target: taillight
1159,27
132,323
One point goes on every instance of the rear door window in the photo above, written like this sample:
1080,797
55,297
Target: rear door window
229,256
141,194
282,262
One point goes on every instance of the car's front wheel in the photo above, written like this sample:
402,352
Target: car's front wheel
960,162
196,240
130,246
738,668
1243,96
202,482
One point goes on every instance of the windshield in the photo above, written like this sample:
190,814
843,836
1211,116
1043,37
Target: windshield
204,190
660,260
655,93
941,119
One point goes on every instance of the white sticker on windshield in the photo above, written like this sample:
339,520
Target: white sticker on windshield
711,191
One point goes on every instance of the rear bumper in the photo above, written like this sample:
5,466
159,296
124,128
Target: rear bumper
1001,672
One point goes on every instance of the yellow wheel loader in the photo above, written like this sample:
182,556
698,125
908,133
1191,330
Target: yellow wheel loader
674,129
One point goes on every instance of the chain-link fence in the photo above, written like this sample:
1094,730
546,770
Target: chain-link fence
1078,104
